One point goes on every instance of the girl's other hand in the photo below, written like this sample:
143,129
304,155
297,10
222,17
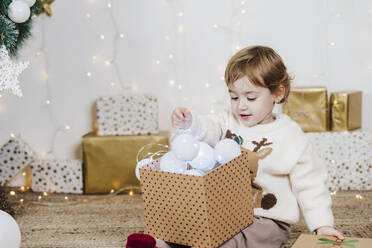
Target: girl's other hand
327,230
181,118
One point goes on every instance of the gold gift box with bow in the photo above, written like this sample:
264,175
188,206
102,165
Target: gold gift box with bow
110,161
308,106
346,110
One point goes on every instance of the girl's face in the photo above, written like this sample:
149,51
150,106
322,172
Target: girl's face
251,104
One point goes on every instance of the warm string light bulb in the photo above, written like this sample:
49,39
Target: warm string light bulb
109,5
12,193
170,56
47,102
243,11
172,82
359,197
45,194
180,86
87,15
332,43
207,85
112,191
334,193
121,35
180,29
12,135
180,14
67,127
157,62
166,37
215,26
131,193
107,63
102,36
89,74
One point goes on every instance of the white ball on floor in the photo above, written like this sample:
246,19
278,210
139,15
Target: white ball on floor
140,164
205,160
226,150
194,172
185,147
19,11
10,235
170,163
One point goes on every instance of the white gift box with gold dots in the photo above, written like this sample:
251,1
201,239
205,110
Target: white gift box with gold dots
14,156
54,175
129,114
348,156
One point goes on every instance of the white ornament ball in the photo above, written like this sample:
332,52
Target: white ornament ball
226,150
140,164
185,147
10,235
205,160
30,3
194,172
19,11
170,163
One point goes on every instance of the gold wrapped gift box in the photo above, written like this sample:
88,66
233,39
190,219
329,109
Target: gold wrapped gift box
308,106
346,110
110,161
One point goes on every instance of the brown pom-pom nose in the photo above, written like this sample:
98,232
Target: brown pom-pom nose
268,201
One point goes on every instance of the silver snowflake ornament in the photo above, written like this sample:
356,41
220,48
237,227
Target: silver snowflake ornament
9,72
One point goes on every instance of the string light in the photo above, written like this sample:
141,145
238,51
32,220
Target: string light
94,57
121,35
21,201
45,194
102,36
179,86
24,174
157,62
243,11
172,82
215,26
89,74
38,53
334,193
170,56
180,28
12,135
359,197
180,14
107,63
112,84
67,127
112,191
242,2
1,96
87,15
47,102
39,197
12,193
332,161
166,37
66,198
22,188
332,43
207,85
131,193
109,5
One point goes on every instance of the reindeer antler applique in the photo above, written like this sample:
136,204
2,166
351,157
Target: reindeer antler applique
231,135
260,144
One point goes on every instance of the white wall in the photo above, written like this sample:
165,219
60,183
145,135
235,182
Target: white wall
322,42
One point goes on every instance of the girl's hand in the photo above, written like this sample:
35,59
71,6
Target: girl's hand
327,230
181,118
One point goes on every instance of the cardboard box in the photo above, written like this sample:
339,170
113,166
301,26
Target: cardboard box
320,241
203,211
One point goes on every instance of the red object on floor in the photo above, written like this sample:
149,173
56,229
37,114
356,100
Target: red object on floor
140,240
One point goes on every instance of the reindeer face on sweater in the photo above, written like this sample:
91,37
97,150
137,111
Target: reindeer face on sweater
260,152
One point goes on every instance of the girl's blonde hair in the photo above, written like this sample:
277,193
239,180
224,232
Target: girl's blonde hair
262,66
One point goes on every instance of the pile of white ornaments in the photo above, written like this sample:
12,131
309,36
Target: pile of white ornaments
190,156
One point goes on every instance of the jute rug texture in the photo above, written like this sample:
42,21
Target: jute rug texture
106,221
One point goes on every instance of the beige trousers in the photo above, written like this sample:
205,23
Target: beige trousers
262,233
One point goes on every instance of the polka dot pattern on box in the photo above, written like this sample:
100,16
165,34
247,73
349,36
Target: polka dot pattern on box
14,156
348,158
52,175
202,211
128,114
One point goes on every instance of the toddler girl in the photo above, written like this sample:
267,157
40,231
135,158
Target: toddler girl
257,79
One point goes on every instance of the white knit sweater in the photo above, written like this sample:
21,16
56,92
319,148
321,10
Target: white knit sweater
292,172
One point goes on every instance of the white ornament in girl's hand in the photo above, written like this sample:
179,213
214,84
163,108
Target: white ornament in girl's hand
141,164
30,3
205,160
194,172
185,147
226,150
170,163
10,235
19,11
